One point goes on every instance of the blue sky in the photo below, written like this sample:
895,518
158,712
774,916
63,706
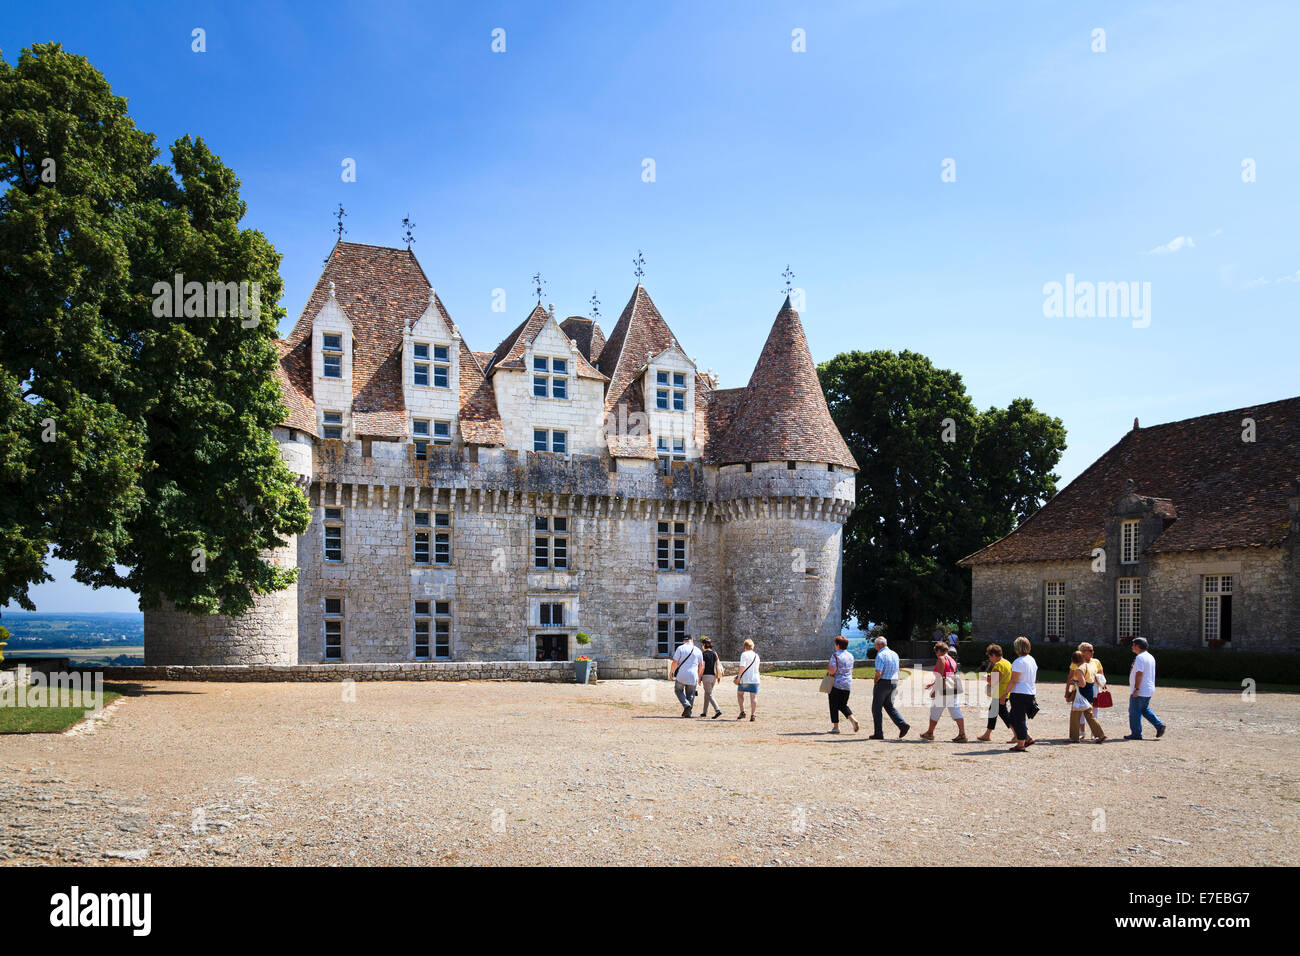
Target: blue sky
1102,165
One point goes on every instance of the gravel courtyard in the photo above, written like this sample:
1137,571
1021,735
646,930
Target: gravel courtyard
518,773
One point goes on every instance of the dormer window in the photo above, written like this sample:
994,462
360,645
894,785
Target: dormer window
424,432
441,367
421,363
550,377
1129,542
667,454
334,426
671,391
554,440
432,365
331,351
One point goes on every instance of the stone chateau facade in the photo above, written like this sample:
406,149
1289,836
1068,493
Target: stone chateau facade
1186,533
478,506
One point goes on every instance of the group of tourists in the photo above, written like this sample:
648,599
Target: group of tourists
1013,699
695,667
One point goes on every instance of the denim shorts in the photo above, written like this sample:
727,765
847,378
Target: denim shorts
749,688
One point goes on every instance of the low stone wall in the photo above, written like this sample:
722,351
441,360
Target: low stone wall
558,672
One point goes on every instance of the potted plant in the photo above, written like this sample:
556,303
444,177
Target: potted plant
582,664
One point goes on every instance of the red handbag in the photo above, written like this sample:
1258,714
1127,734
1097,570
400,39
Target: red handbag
1103,700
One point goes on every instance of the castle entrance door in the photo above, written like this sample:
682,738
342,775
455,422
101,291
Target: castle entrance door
552,647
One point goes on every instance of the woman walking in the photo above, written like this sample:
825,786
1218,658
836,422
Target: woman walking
747,681
712,671
841,668
1020,692
945,694
1083,686
999,668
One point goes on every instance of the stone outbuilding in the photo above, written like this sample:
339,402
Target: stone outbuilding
1187,534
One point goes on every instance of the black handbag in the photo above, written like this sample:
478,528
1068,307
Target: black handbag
1031,711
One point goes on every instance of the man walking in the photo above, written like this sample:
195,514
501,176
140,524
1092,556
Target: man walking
1142,687
687,669
882,694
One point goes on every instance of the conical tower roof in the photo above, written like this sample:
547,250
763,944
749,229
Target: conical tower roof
640,331
782,414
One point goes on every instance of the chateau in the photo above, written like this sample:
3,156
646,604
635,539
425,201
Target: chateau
480,506
1187,534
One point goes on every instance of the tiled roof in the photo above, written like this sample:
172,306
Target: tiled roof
302,410
782,415
510,353
1215,490
383,291
479,422
719,407
586,332
640,331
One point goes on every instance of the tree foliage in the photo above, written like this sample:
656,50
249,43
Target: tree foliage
938,481
129,441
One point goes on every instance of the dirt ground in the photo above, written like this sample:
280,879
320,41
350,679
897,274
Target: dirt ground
515,773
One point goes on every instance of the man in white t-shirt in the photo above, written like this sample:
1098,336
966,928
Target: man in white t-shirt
1141,688
687,668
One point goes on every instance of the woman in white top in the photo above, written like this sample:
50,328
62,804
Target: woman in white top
1020,692
747,681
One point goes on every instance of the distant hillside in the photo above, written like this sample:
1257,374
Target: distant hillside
29,630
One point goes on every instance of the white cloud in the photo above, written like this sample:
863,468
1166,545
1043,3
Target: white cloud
1293,277
1217,232
1173,245
1254,283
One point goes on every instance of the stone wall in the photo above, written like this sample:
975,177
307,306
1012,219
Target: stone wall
555,672
763,560
1007,599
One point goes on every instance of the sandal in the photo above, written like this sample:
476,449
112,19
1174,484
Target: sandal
962,739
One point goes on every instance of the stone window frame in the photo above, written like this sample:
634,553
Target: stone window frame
552,624
1054,607
672,624
546,377
437,618
552,542
331,355
670,395
434,533
327,425
1213,598
429,431
548,442
669,541
1130,549
339,620
333,522
1128,591
666,457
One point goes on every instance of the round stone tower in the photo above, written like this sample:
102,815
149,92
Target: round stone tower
266,634
786,487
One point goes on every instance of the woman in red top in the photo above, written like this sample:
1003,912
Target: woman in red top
944,694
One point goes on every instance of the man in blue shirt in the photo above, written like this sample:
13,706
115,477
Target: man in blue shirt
882,695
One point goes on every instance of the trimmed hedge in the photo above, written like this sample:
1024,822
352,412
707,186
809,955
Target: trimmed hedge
1171,662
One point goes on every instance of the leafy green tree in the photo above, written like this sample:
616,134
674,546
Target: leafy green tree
132,436
938,480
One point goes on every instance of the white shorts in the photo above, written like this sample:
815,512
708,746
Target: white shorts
936,711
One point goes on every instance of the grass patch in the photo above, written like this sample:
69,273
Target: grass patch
44,720
866,672
1058,677
78,655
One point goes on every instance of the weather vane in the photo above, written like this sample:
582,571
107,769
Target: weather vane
408,231
537,281
788,275
639,262
595,305
339,216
